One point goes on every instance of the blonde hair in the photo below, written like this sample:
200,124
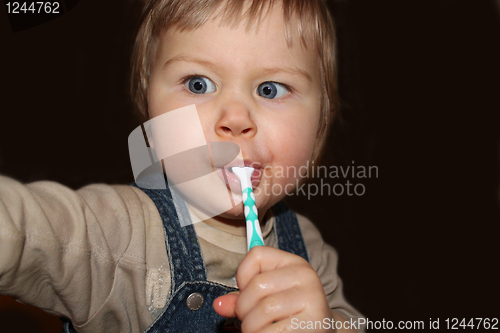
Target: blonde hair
313,22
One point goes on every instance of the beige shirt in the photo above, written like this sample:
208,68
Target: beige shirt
98,255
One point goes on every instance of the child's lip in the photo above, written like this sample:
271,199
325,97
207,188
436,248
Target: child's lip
233,182
244,162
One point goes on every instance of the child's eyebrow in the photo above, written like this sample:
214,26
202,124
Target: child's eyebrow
291,70
185,58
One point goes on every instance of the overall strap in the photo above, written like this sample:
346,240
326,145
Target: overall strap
287,230
184,254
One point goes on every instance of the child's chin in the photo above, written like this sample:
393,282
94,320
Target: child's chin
235,213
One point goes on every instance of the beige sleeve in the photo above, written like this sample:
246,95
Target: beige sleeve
66,251
324,259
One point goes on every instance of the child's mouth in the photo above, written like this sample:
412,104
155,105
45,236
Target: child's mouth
233,182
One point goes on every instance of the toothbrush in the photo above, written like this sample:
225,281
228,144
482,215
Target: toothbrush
254,235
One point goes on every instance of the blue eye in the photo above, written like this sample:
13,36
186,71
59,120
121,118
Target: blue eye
271,90
200,85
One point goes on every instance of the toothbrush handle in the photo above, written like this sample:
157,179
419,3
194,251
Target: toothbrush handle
254,234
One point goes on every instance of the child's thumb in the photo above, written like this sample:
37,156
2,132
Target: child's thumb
224,305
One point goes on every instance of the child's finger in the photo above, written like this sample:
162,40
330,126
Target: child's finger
224,305
272,282
263,259
273,309
285,325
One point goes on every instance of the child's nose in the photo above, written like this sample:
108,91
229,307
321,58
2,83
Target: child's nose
235,121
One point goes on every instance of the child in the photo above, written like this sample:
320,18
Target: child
261,74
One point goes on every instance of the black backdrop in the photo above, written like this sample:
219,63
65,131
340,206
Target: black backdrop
419,83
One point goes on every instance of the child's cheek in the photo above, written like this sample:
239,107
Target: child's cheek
288,171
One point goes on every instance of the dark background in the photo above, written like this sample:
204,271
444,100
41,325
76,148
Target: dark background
419,83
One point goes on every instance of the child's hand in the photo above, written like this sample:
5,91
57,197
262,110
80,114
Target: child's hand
275,287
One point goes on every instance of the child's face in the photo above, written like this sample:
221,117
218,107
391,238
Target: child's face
249,88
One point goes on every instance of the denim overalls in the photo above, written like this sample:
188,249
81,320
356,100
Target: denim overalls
188,272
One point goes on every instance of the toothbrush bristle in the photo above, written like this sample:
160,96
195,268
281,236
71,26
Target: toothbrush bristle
243,173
